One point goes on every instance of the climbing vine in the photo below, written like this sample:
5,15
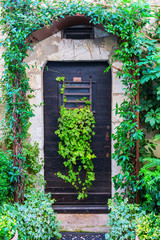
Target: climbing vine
75,131
140,70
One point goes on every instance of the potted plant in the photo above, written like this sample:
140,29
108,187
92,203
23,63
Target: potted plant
8,228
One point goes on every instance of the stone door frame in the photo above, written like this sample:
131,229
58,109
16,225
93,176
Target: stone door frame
54,48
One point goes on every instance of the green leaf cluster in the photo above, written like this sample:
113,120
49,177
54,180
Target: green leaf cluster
32,165
6,177
75,132
7,227
122,220
148,227
35,220
139,55
150,181
131,220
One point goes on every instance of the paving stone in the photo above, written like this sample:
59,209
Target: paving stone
82,236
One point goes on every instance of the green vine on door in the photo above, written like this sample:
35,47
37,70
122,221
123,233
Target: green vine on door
75,131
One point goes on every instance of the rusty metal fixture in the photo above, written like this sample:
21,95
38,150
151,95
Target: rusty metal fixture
17,143
107,136
137,142
107,155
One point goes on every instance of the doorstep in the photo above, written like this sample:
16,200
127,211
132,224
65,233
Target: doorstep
96,223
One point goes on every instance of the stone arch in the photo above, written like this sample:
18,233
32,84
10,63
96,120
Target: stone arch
50,47
62,23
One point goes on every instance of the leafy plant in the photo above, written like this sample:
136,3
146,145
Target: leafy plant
149,93
7,227
140,71
148,227
60,79
122,220
32,165
6,177
153,117
35,220
75,131
150,181
62,89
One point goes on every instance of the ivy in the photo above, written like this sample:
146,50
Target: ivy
75,132
32,165
136,50
125,225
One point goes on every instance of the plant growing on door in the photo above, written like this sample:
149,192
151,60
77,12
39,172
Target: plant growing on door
75,131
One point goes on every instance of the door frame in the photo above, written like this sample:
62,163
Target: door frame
59,53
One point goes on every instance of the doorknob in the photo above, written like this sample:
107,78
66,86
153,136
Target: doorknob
107,136
107,155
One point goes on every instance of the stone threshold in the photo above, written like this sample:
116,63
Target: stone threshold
94,223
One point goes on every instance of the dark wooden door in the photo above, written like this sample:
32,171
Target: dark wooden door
65,195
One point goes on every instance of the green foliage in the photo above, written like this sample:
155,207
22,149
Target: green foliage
122,220
150,181
150,104
148,227
32,165
6,176
157,137
7,227
60,79
140,68
75,131
126,220
63,88
35,220
153,117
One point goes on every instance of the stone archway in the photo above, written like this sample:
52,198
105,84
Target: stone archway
53,48
62,23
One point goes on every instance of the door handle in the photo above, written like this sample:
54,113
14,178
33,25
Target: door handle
107,155
108,142
107,136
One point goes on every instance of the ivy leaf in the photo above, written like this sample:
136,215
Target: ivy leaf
157,137
145,79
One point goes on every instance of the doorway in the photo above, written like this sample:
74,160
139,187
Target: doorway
87,79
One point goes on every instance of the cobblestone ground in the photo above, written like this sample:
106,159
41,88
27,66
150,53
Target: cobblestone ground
82,236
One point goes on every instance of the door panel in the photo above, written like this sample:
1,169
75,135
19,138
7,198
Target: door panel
64,193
